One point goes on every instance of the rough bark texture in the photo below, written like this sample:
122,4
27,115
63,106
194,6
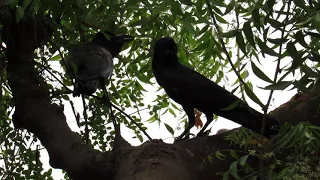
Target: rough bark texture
152,160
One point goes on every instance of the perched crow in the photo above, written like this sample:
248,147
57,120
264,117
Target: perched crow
94,61
193,90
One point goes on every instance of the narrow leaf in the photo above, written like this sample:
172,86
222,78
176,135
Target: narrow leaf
256,18
55,58
202,46
278,86
240,42
243,160
317,22
252,96
277,41
233,170
219,155
169,128
259,73
230,34
300,38
248,33
265,49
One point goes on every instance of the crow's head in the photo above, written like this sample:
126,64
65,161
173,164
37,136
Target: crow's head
166,45
113,44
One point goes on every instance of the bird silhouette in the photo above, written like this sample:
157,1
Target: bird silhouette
193,90
94,61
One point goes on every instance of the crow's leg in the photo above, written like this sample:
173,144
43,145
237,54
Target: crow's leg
191,119
209,120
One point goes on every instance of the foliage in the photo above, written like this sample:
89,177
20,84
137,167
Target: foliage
293,153
255,33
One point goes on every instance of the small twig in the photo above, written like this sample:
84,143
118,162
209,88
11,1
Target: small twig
265,110
82,36
85,115
55,77
223,44
73,109
275,78
108,102
132,120
238,53
70,72
138,111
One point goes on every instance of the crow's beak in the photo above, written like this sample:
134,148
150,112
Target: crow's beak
124,38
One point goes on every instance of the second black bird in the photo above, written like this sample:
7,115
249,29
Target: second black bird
94,61
193,90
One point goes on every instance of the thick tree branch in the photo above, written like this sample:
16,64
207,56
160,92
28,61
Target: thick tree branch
38,115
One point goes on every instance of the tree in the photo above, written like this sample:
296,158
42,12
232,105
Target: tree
35,33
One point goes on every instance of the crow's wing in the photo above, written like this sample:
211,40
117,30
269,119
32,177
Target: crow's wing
186,85
93,58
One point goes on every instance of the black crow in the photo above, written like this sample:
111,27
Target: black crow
94,61
193,90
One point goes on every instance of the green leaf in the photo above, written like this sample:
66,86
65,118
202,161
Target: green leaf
169,128
189,27
265,49
80,3
317,22
187,2
7,2
55,58
233,170
252,96
300,38
230,6
292,50
276,24
278,86
243,160
240,42
256,18
226,176
277,41
270,4
202,46
19,13
248,33
140,138
234,154
259,73
301,4
204,29
230,34
296,56
220,19
305,22
219,155
172,112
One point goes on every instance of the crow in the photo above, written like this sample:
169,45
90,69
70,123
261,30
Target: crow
94,61
193,90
